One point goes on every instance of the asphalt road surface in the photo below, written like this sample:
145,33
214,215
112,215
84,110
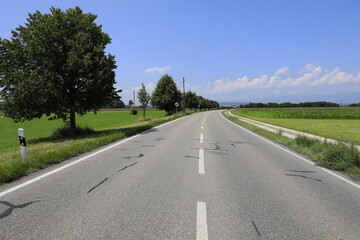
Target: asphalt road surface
200,177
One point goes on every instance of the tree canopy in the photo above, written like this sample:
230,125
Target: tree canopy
144,97
56,64
166,94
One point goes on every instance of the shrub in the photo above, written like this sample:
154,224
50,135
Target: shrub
67,132
340,157
134,112
305,141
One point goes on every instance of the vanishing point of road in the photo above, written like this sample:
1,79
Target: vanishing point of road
199,177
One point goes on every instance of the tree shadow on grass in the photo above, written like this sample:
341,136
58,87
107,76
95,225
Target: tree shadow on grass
126,132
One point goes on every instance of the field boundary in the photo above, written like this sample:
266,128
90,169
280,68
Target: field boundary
286,132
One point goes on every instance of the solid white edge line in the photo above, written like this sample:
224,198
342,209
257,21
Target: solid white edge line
201,161
201,222
79,160
296,155
201,138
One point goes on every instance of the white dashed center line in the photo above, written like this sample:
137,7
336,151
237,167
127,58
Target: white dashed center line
201,138
201,222
201,161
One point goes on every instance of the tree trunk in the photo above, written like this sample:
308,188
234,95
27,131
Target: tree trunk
72,119
144,114
72,108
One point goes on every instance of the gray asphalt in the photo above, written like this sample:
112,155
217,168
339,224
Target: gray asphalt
148,188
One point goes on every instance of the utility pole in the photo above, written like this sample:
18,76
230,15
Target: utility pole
184,94
134,98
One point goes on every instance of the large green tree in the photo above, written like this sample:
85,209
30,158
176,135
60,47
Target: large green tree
56,64
166,94
191,100
144,98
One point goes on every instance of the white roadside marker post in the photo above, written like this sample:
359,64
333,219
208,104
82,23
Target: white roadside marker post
23,145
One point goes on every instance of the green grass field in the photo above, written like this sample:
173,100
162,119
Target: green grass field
342,124
44,151
43,128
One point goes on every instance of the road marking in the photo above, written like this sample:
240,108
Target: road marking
296,155
201,138
13,189
202,127
201,222
201,161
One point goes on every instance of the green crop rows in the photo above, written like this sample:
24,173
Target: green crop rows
302,113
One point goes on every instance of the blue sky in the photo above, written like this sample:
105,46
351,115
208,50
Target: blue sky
226,50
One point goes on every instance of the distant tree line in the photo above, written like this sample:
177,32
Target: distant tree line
289,105
166,94
354,105
193,101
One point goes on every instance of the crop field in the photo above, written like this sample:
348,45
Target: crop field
303,113
342,124
39,129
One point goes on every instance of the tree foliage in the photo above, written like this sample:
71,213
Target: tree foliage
56,64
191,100
166,94
354,105
144,98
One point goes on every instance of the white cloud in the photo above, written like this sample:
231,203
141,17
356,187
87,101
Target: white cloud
336,77
224,85
282,71
161,70
309,67
302,80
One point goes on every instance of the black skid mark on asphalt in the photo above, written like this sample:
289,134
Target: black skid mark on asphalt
232,143
120,149
256,228
12,207
127,167
159,139
298,171
140,155
191,157
98,185
303,176
135,141
148,145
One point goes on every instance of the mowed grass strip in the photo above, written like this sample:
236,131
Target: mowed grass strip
43,151
344,130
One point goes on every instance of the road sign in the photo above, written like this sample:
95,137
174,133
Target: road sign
176,104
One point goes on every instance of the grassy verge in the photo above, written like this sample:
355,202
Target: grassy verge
338,157
45,154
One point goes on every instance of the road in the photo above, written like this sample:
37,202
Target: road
199,177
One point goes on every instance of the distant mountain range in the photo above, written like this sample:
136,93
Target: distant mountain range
344,99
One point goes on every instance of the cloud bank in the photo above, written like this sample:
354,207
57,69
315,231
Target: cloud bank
310,76
312,79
